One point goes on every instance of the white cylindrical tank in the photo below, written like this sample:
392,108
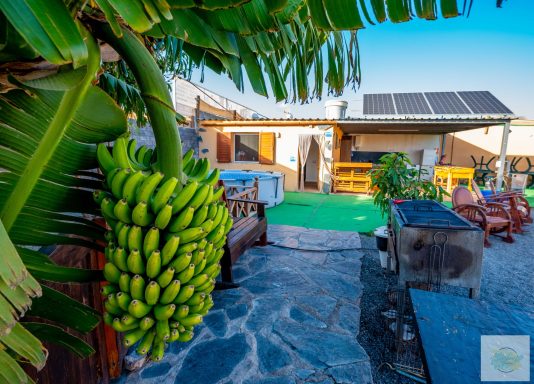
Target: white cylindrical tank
335,109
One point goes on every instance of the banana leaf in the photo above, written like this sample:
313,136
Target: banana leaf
56,335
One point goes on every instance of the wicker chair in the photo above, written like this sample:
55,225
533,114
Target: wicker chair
492,217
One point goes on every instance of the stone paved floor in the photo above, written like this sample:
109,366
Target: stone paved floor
294,319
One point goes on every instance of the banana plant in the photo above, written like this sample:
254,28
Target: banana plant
52,114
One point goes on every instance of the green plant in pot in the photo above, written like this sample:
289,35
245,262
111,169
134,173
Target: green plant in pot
397,178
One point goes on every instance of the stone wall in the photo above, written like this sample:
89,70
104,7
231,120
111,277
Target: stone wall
144,136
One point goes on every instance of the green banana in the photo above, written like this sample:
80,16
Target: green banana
196,308
181,312
120,327
190,247
118,182
120,259
175,334
141,216
216,272
107,289
122,237
147,158
169,250
183,198
199,216
164,217
197,281
129,190
135,262
112,299
146,323
137,287
199,164
182,221
140,154
112,273
158,349
204,287
213,177
208,303
153,264
217,194
110,176
99,195
218,217
228,225
191,320
163,330
189,166
107,206
196,299
181,262
170,293
212,211
202,244
209,196
151,241
186,274
203,171
135,238
120,153
186,158
152,293
123,299
112,308
199,196
190,234
163,194
186,291
146,342
124,282
198,255
207,226
216,234
105,160
210,269
133,337
108,318
147,188
186,336
128,319
208,248
220,243
118,227
164,312
165,278
139,309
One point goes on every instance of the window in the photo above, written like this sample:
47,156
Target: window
246,146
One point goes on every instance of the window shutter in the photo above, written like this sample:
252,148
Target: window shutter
267,143
224,147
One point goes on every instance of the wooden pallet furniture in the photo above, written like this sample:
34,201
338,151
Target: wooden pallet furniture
352,177
249,229
448,177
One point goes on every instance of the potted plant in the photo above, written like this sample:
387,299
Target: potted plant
397,178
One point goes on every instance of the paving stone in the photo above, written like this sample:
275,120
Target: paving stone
236,311
270,356
336,285
351,374
227,297
313,257
134,361
347,267
271,380
320,348
323,306
264,312
279,281
349,318
212,361
304,373
155,370
302,317
217,323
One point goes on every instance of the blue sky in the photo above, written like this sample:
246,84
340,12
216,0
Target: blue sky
491,50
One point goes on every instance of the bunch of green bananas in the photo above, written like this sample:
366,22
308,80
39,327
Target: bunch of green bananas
164,245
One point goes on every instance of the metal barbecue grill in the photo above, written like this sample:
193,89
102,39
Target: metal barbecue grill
432,244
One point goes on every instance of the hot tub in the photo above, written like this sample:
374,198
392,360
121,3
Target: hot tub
271,184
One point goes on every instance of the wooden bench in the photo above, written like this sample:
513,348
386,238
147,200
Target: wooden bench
249,229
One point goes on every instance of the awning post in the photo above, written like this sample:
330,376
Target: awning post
502,157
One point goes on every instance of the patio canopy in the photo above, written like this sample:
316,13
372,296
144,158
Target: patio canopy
377,125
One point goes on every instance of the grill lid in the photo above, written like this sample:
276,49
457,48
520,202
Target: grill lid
430,214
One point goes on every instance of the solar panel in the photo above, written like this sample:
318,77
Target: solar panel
411,104
483,102
378,104
446,103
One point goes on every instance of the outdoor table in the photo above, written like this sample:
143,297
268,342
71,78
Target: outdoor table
450,176
352,177
449,329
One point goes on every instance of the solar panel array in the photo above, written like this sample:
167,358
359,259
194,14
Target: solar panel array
483,102
378,104
411,103
437,103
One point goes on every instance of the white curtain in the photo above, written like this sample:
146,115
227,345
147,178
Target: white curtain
304,149
321,143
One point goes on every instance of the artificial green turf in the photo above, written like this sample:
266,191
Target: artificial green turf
315,210
338,212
